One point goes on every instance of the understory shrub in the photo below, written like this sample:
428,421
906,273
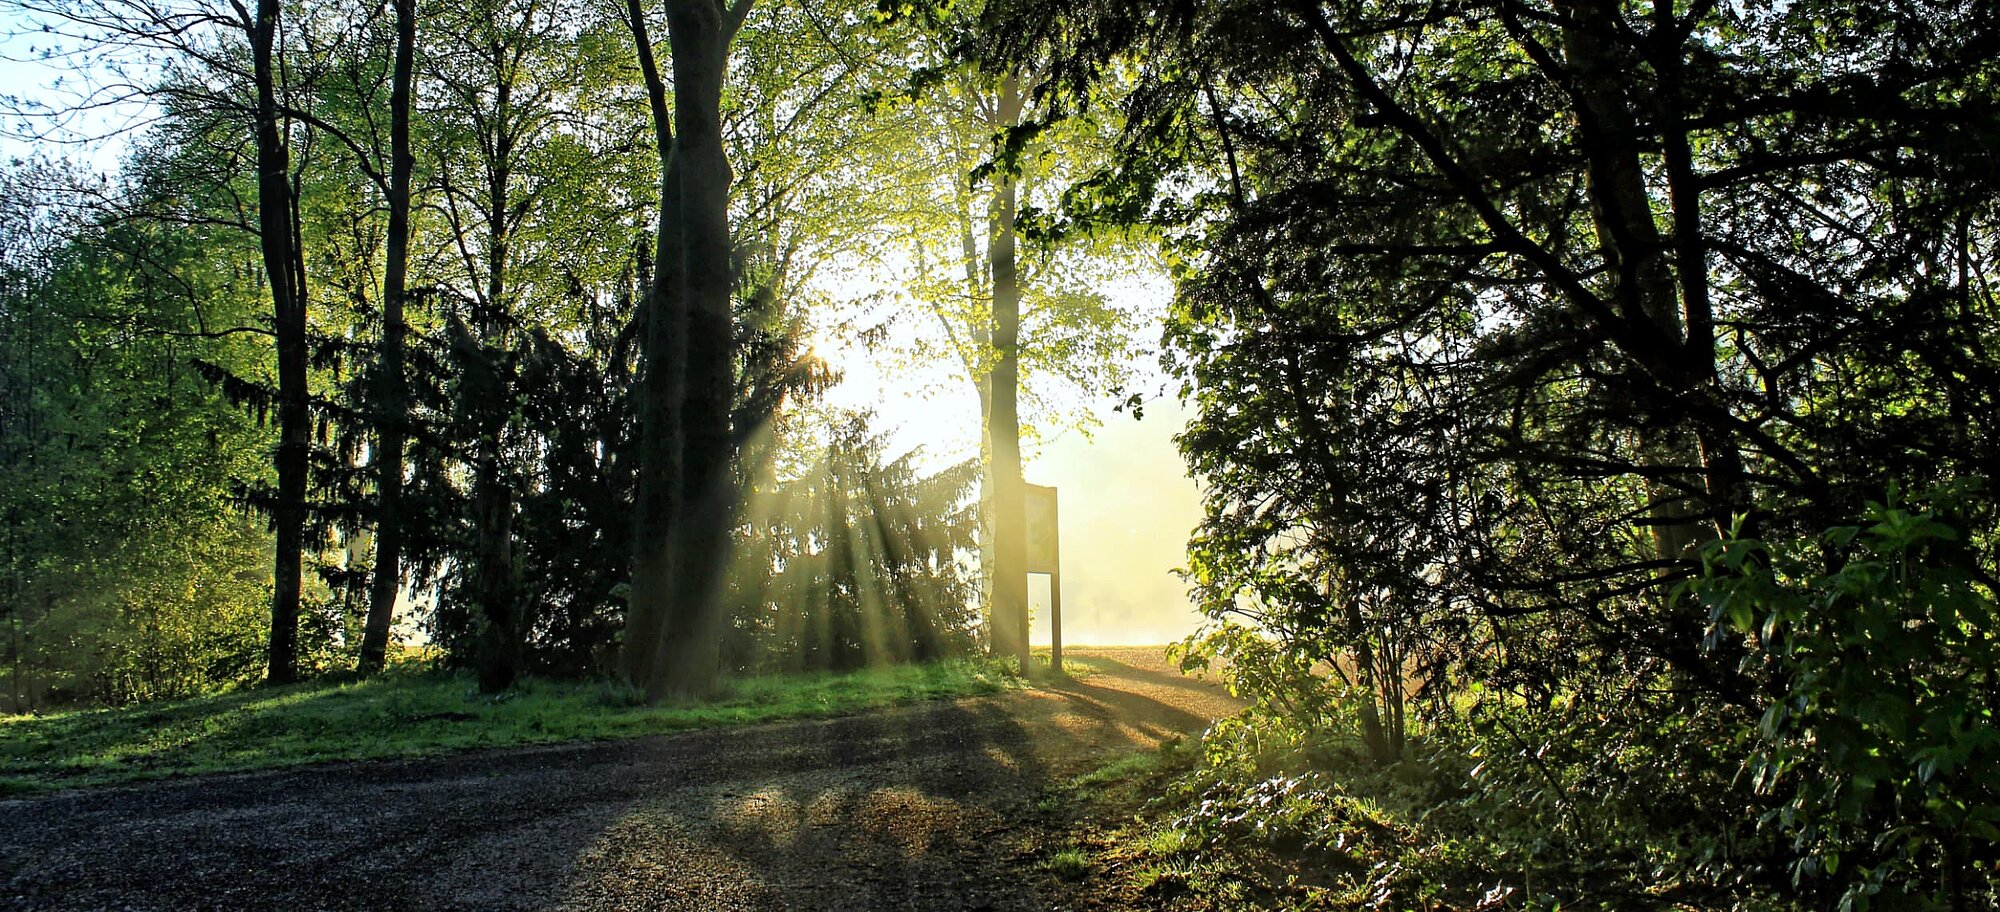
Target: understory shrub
1877,746
1863,772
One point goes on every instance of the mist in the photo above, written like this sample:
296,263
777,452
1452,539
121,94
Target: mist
1127,506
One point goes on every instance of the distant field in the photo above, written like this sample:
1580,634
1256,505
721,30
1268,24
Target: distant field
419,714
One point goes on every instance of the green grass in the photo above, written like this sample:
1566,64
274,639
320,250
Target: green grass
421,714
1164,874
1167,842
1074,666
1120,769
1069,864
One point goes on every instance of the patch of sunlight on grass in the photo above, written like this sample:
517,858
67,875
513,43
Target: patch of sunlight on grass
1120,768
414,714
1071,863
1073,665
1171,873
1167,843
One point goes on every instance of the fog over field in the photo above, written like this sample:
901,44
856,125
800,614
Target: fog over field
1127,507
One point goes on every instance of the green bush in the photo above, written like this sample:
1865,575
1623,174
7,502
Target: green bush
1879,743
1861,770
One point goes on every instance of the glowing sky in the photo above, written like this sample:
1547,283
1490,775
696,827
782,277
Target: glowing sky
1127,503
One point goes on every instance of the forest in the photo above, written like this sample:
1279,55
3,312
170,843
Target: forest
1592,401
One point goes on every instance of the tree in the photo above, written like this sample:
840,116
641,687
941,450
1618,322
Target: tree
968,269
277,233
1495,313
1003,421
681,545
387,583
663,316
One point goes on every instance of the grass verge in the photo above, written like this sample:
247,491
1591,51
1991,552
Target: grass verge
422,714
1165,830
1074,666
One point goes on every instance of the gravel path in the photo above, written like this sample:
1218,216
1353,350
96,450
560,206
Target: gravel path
928,807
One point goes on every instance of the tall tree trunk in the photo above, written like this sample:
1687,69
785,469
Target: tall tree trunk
1676,314
390,394
1010,542
689,658
493,499
1722,461
1645,289
276,239
664,342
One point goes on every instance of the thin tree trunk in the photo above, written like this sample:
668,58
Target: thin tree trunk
664,350
978,366
275,235
1366,664
1010,544
387,583
989,495
17,618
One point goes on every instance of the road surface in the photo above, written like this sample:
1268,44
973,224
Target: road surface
925,807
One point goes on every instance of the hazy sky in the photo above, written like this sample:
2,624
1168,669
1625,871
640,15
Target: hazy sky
1126,501
1126,507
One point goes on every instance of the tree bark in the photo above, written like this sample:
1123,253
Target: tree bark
1010,545
498,583
689,658
275,218
989,494
649,599
393,399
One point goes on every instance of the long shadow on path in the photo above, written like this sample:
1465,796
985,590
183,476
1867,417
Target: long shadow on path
920,808
915,810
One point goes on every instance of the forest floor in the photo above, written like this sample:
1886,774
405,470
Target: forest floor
952,805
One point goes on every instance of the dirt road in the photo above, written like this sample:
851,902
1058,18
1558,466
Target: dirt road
928,807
